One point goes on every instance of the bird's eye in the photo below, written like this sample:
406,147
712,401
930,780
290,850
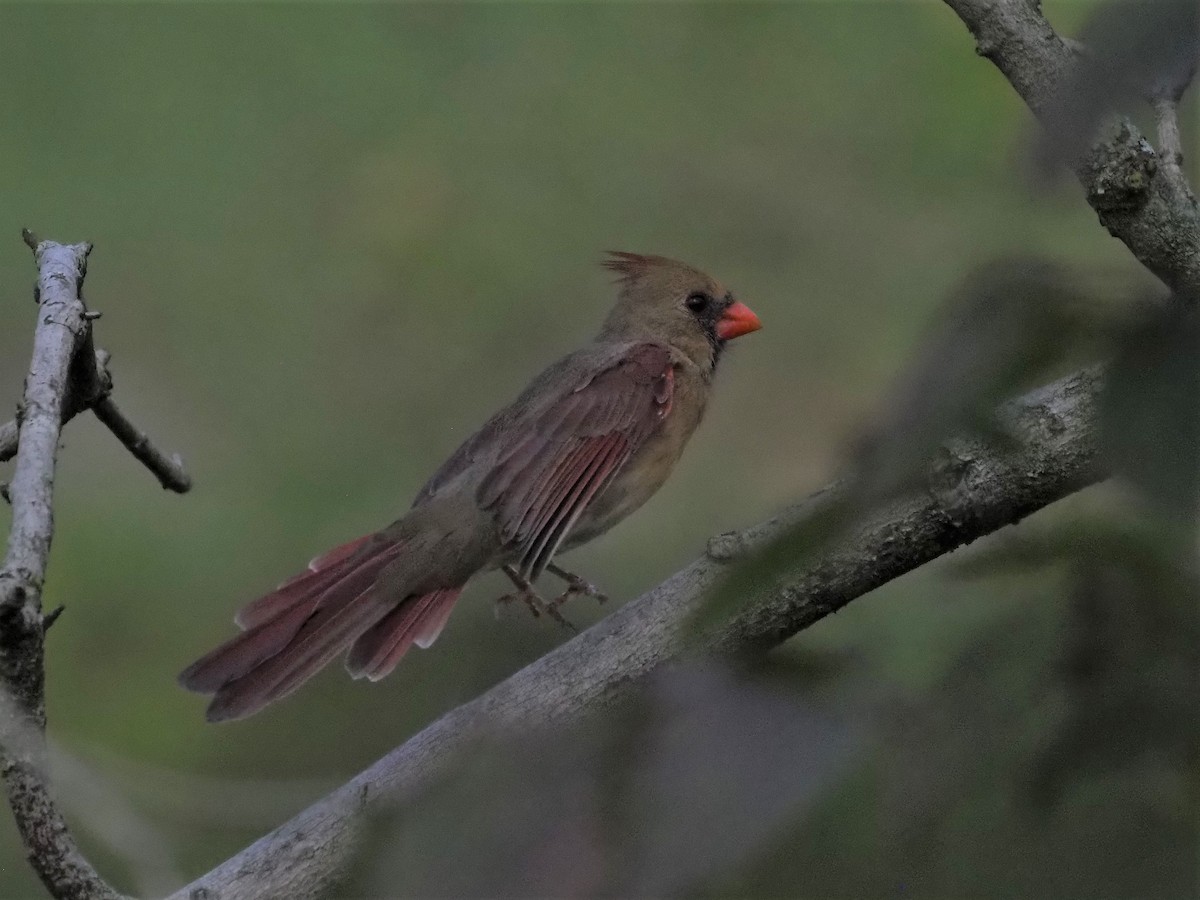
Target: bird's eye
697,302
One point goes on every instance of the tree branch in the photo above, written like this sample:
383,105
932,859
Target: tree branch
87,386
168,470
1165,101
61,330
1139,202
974,490
91,388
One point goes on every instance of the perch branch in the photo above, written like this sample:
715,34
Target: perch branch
974,490
61,330
1138,202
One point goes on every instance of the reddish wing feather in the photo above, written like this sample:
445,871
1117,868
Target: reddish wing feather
540,507
610,452
541,487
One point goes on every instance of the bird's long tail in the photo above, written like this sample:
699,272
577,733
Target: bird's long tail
297,629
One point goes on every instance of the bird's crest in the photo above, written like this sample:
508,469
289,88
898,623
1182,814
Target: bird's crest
632,266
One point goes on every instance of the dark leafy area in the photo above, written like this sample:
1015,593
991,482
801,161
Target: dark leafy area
1151,412
1126,666
1141,543
1129,52
1128,672
1009,325
652,798
1058,755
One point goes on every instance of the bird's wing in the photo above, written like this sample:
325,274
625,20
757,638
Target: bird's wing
570,447
485,443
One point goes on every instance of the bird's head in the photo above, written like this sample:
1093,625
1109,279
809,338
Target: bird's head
668,301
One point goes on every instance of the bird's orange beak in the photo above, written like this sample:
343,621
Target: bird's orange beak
739,319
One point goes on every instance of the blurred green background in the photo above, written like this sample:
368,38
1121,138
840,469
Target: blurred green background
330,240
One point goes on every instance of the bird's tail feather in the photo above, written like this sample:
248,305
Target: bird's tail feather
419,620
322,571
298,628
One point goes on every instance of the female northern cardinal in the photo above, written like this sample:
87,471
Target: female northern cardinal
587,443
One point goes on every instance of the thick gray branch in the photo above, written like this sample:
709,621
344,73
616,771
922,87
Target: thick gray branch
61,330
1138,201
974,490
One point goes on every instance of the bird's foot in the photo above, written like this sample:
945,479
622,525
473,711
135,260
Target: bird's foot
526,593
576,586
529,597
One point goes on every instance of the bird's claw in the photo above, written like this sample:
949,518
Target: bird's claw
528,596
536,605
579,588
576,586
552,612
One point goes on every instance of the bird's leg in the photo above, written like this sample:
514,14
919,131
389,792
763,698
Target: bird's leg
526,593
575,585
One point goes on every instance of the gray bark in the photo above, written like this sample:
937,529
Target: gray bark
61,329
1146,205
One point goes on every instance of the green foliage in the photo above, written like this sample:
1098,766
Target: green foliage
1152,412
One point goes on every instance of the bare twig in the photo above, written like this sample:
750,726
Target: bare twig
168,470
61,330
1165,99
1170,144
977,489
1120,175
91,388
1170,147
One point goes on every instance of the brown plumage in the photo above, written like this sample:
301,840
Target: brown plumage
585,444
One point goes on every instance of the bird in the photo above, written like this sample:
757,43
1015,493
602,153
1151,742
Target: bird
587,442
